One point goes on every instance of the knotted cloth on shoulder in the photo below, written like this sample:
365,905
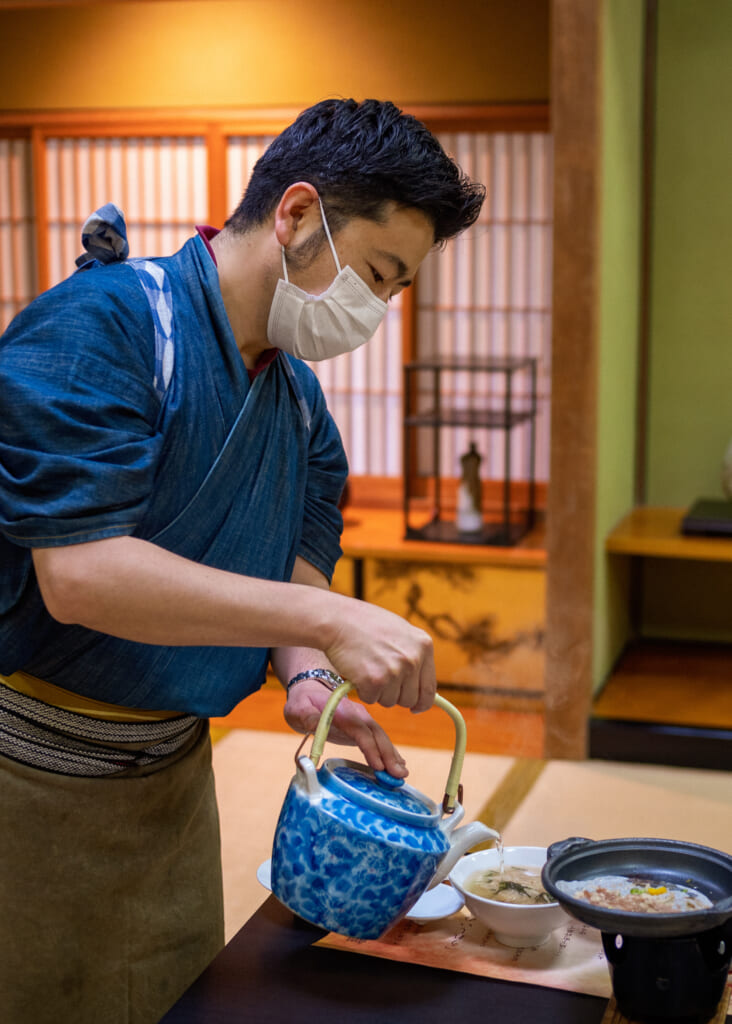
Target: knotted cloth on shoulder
104,236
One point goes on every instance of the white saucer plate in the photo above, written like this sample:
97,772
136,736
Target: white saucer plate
439,902
264,874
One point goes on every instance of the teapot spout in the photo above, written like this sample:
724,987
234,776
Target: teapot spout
463,839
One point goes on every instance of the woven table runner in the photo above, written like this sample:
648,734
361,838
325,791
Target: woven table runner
571,959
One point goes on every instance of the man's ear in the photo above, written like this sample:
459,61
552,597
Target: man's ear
297,213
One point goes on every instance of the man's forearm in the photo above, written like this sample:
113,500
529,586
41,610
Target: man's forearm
138,591
287,662
135,590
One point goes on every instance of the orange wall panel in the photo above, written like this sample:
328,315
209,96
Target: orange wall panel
183,53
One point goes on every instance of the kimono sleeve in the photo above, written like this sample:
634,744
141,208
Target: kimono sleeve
78,441
327,474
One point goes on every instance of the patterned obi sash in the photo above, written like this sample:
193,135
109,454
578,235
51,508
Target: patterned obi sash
72,735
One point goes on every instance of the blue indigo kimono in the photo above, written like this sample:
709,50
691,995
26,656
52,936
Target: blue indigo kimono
238,475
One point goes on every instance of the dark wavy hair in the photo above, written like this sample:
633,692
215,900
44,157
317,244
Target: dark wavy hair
361,156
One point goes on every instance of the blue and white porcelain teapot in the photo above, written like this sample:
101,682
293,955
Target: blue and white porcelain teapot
354,848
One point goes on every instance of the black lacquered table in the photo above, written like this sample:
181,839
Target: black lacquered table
270,973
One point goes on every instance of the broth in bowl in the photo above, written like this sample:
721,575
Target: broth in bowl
512,924
511,883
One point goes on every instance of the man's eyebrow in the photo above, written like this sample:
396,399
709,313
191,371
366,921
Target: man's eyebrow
399,265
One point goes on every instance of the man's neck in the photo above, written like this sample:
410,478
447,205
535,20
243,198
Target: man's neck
246,288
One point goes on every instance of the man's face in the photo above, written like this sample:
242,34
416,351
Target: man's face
385,254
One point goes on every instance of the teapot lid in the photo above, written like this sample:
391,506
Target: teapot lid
380,792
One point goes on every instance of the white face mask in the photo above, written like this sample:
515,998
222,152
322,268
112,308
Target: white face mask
315,327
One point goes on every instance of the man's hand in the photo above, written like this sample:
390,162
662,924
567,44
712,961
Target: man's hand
352,726
388,660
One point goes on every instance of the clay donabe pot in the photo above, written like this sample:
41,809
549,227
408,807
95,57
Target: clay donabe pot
664,966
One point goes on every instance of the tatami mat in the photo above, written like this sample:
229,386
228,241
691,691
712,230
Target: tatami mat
605,800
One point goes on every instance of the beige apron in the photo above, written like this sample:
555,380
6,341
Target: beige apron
110,889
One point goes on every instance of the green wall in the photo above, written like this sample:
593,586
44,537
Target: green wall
690,401
690,396
690,345
620,219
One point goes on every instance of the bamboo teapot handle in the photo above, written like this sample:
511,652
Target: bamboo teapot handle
452,786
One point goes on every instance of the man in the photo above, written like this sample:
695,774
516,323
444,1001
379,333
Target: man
169,488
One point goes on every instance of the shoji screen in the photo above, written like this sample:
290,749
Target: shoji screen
17,250
489,292
363,388
159,183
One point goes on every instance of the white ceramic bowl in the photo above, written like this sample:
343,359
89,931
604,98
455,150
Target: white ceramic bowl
512,924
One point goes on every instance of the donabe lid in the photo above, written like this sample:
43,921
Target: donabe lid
379,792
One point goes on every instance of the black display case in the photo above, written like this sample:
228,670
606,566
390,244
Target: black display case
508,406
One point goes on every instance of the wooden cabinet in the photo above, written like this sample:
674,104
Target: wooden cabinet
487,622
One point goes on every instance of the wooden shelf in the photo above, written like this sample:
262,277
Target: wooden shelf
667,703
379,533
655,532
490,419
670,682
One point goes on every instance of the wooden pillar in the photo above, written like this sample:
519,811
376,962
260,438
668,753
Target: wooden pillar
575,106
218,209
40,207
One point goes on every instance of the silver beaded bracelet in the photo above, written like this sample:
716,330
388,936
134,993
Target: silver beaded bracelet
329,679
